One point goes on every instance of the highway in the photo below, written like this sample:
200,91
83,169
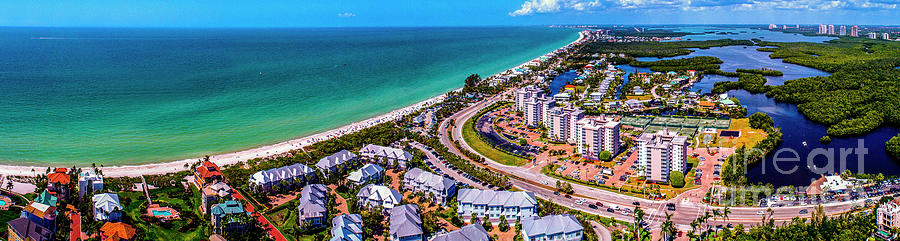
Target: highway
685,211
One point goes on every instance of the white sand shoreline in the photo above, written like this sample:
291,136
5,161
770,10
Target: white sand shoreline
262,151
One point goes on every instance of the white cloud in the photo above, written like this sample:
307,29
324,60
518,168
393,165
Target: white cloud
346,15
552,6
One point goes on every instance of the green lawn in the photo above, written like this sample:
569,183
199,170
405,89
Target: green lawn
192,225
483,148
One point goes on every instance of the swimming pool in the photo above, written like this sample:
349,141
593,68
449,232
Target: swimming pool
2,203
162,213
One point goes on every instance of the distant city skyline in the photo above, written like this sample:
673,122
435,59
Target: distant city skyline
358,13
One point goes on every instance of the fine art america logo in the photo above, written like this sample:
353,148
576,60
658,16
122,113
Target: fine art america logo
788,161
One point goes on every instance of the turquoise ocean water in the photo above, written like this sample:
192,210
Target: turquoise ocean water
130,96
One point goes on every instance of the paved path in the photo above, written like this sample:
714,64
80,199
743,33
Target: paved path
75,234
603,234
453,174
273,232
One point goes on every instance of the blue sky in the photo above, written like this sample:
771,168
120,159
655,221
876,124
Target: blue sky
331,13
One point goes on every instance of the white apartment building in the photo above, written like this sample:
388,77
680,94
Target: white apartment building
887,216
439,187
493,204
526,94
562,122
595,135
661,153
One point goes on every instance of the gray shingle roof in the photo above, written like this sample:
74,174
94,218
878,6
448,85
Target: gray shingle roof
25,228
347,227
472,232
383,151
282,173
405,221
312,201
429,179
335,159
550,225
365,172
496,198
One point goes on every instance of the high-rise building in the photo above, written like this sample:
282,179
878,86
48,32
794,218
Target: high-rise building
525,94
854,31
595,135
886,36
773,26
831,29
661,153
873,35
843,30
822,29
561,124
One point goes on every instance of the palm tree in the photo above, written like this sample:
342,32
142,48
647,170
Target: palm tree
715,214
638,219
668,228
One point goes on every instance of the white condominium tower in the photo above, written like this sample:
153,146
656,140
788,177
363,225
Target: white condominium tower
822,29
561,124
854,31
535,106
595,135
843,30
525,94
661,153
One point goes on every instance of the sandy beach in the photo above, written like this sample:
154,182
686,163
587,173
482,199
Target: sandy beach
262,151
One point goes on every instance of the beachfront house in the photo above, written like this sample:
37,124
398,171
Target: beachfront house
107,207
116,232
229,216
213,194
386,155
89,182
471,232
284,177
493,204
337,162
42,211
207,173
406,225
59,183
378,195
563,227
439,188
367,173
347,227
21,229
312,209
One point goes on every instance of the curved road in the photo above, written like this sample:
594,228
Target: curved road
685,212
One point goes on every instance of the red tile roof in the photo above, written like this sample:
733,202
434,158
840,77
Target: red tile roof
60,176
208,169
116,231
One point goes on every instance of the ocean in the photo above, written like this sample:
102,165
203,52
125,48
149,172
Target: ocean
134,96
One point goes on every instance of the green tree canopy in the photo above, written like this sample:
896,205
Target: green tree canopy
676,178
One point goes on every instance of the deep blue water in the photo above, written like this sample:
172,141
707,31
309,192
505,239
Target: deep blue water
795,126
628,70
561,80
